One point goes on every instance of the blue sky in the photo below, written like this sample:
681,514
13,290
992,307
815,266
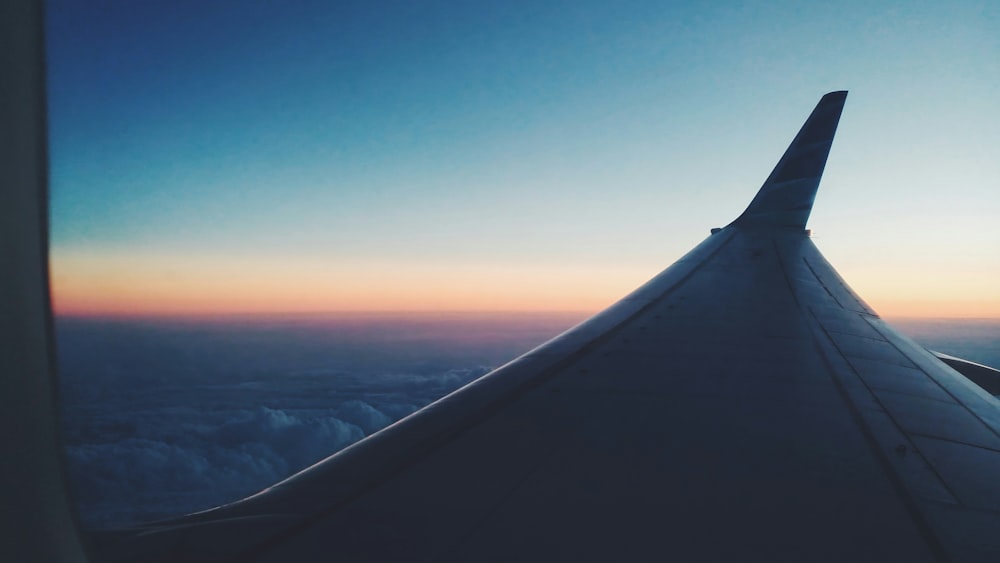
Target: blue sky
376,148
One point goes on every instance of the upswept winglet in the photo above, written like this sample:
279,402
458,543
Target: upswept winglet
786,198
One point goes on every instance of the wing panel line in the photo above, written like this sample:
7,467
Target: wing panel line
909,501
943,387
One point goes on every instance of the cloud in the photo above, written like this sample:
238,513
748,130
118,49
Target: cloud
363,416
136,457
166,418
222,456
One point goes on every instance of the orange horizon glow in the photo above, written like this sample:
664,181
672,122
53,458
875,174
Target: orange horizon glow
123,285
917,292
118,285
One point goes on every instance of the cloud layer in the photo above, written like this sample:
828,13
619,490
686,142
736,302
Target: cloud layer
164,419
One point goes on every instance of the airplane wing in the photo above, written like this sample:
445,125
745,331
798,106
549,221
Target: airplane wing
743,404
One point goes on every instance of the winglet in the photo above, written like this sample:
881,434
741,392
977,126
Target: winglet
786,198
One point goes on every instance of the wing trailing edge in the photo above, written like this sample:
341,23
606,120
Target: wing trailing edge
786,198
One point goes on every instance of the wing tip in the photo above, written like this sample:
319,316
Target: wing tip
786,197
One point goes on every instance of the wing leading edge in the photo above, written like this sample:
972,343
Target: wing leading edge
744,403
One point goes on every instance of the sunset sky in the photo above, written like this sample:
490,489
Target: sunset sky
245,156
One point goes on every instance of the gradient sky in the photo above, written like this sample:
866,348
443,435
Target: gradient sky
234,156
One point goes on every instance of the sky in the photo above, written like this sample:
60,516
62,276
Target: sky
225,157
